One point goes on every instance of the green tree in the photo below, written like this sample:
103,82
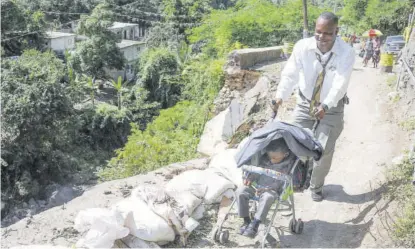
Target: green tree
20,29
99,51
171,137
159,73
35,109
252,23
389,16
118,87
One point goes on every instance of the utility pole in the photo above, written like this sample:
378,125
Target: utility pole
305,30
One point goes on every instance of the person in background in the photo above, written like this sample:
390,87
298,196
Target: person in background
376,51
321,66
369,49
352,39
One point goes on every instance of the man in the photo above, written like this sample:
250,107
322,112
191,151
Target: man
321,66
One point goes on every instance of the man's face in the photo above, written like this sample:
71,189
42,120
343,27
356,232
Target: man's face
325,34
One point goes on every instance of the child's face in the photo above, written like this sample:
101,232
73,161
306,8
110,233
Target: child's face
276,157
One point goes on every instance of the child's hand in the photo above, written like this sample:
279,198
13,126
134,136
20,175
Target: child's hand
247,182
260,191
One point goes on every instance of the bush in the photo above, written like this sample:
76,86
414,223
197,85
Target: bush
172,137
402,189
158,73
252,23
202,79
105,127
45,139
35,118
141,110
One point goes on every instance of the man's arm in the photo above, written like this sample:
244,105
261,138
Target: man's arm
340,81
290,74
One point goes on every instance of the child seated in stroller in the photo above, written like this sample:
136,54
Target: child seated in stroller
277,157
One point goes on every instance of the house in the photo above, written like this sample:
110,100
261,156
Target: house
59,42
128,31
131,51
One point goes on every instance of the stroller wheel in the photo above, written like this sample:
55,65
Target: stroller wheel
299,226
224,237
214,234
291,226
296,226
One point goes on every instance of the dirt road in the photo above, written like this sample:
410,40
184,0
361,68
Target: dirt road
351,214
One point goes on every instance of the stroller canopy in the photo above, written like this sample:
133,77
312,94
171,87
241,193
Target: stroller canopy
300,142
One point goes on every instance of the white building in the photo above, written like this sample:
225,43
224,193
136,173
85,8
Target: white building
131,51
126,31
59,42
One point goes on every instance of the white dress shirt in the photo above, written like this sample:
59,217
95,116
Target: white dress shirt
303,69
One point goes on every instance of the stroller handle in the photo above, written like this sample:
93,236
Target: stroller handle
268,172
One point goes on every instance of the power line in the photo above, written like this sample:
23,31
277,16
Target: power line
132,17
29,33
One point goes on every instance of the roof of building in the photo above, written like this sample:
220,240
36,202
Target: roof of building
128,43
53,34
118,25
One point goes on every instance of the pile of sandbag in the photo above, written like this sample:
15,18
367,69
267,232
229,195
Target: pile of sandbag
158,215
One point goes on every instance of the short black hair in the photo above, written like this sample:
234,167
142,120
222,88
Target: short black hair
277,145
329,16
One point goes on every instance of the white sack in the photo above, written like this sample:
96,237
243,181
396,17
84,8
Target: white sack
39,247
161,204
224,162
142,222
198,179
104,227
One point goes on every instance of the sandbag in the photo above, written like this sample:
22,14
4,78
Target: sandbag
143,222
214,183
161,204
188,195
104,227
224,162
39,247
199,212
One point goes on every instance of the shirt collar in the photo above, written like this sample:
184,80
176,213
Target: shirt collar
335,49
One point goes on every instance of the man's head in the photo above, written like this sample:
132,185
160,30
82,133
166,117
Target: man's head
277,151
326,31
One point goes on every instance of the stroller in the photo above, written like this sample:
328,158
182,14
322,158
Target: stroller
303,145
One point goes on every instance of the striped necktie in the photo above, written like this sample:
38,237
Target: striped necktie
315,100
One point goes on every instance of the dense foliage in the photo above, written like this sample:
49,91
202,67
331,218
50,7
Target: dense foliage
44,137
20,28
402,190
252,24
99,52
389,16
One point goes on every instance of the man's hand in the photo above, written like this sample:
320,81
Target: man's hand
319,112
275,105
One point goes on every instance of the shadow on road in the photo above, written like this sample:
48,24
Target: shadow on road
336,193
322,234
